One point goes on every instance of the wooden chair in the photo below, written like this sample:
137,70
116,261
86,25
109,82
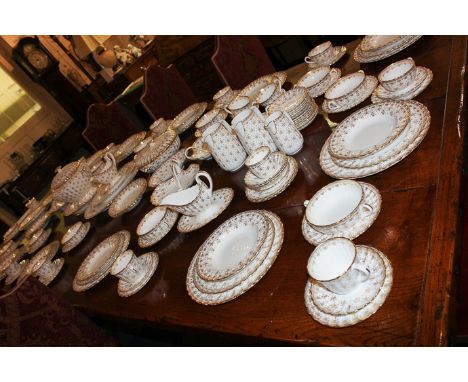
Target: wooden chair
240,59
166,93
33,315
108,123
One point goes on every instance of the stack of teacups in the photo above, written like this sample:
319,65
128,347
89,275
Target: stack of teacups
269,174
324,54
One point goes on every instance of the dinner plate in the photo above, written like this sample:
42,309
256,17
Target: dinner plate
383,51
244,286
232,245
343,320
187,117
411,132
230,282
368,130
220,200
339,172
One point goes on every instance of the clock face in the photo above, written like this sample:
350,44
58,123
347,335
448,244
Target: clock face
38,59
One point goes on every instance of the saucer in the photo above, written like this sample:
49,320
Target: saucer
160,230
371,197
359,298
249,282
39,241
356,96
366,306
128,198
422,81
77,239
150,263
280,185
12,278
320,88
340,51
220,201
58,267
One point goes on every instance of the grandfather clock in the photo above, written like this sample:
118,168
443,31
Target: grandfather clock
43,68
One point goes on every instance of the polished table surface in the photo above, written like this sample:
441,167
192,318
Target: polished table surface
417,229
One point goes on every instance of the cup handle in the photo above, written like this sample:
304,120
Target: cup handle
308,60
306,203
332,105
267,108
367,208
187,151
206,176
227,110
112,158
176,172
364,272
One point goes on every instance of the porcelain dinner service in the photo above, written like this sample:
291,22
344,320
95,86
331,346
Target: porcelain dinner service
347,283
324,54
74,236
331,212
318,80
128,198
402,80
269,174
134,272
99,261
383,146
375,48
187,117
235,257
348,92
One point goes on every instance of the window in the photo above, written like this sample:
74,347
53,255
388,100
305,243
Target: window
16,106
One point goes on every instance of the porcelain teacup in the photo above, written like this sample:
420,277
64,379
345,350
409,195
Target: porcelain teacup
262,163
237,105
315,77
127,267
337,207
399,75
107,171
337,94
321,53
269,93
334,265
193,200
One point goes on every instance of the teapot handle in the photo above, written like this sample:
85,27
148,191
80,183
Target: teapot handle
206,176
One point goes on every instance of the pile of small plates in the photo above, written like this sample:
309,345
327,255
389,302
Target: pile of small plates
374,138
375,48
300,106
74,236
187,117
98,263
235,257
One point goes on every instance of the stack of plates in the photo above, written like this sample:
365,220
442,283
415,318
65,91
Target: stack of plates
235,257
300,106
98,263
374,138
375,48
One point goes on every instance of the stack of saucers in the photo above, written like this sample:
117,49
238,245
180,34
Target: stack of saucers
300,106
74,236
269,174
375,48
235,257
374,138
348,283
98,263
344,208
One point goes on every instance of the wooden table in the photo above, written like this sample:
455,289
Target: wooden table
417,228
